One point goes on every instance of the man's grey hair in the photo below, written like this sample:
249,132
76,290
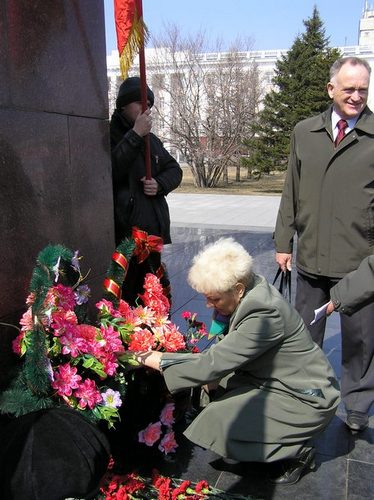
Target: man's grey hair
354,61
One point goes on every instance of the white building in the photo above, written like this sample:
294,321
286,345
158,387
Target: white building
265,59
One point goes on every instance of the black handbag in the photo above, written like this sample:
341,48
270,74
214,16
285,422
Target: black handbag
284,283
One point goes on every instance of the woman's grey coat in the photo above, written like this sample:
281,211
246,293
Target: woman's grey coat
279,390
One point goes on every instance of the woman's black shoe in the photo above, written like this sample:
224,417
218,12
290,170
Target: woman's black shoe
294,468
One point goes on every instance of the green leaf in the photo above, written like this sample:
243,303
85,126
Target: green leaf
88,361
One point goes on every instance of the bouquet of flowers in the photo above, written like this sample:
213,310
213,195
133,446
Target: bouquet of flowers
159,487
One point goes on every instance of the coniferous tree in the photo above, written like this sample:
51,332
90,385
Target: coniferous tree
300,91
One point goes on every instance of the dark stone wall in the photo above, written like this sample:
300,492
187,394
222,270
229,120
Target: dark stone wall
55,181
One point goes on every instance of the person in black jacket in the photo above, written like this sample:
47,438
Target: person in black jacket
355,290
140,202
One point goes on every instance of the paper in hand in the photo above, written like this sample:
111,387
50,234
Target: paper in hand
319,313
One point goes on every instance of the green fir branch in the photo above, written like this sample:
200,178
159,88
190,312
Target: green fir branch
116,272
43,275
19,400
36,362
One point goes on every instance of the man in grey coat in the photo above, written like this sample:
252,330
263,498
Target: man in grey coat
328,201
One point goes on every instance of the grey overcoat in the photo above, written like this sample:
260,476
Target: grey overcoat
279,390
328,197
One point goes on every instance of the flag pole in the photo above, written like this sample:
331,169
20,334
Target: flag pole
143,90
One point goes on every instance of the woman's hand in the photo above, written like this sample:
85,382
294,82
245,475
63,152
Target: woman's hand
151,359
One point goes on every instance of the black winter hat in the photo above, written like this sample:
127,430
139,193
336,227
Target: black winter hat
52,454
129,91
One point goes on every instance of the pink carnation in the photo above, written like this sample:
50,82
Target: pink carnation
111,340
172,340
106,307
88,394
167,414
168,443
72,343
154,296
16,343
66,379
124,309
62,320
61,296
26,321
141,340
150,434
30,298
87,332
109,362
87,335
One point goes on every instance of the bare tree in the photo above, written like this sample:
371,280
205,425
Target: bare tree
206,101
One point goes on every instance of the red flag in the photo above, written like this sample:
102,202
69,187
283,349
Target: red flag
131,31
131,35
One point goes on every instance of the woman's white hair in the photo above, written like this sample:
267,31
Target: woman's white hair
219,266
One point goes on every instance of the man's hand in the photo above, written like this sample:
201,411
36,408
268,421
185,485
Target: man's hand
150,186
284,261
330,308
143,123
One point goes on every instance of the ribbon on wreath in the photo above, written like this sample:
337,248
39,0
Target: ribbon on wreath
112,287
161,271
121,260
145,244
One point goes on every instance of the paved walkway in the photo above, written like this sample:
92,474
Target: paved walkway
234,211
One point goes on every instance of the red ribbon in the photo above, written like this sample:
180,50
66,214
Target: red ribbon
112,287
160,272
121,260
145,244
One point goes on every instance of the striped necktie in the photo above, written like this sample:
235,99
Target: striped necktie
342,125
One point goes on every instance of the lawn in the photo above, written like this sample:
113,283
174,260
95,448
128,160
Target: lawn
266,185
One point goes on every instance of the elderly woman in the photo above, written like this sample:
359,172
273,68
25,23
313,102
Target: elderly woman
276,391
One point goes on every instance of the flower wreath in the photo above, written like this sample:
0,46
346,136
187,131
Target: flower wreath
69,361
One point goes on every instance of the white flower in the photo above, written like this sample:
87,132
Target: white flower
112,398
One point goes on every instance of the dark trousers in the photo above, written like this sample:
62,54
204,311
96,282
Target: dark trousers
357,375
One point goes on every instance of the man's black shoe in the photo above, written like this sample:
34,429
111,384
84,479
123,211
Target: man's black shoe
293,469
357,421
